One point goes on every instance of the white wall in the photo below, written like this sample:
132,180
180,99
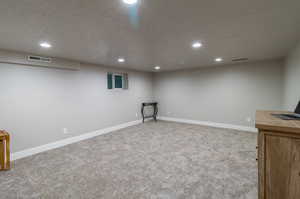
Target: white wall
292,79
223,94
37,103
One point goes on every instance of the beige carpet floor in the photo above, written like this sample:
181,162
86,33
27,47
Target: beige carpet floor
160,160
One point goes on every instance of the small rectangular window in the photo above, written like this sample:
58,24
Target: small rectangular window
117,81
109,81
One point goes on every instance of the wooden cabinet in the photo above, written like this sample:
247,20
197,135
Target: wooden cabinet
4,151
278,157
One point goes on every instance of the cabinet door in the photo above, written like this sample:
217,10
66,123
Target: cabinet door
282,167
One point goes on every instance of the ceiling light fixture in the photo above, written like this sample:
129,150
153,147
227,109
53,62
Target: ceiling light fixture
219,59
45,45
157,67
197,44
121,60
130,2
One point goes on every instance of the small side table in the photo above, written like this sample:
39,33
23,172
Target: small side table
155,110
4,151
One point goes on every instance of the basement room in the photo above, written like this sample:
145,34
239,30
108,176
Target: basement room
150,99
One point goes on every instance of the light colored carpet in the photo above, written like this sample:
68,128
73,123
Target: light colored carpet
160,160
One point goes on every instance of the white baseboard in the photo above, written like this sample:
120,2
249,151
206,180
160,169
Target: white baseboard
212,124
64,142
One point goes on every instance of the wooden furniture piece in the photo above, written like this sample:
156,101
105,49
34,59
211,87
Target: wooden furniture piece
278,156
4,151
155,110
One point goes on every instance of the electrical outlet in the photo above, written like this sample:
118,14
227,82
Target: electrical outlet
65,131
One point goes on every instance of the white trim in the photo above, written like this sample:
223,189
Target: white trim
212,124
64,142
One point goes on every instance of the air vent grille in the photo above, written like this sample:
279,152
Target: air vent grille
34,58
240,59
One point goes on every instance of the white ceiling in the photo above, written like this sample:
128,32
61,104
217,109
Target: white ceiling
100,31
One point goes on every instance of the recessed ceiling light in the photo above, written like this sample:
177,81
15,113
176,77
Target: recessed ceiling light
197,44
130,2
219,59
157,67
121,60
45,45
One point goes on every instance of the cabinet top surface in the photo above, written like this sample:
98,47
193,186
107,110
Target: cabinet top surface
266,121
3,133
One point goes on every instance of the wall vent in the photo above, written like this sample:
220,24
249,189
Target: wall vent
34,58
240,59
13,57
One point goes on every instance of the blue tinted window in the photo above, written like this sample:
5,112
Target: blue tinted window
109,81
118,81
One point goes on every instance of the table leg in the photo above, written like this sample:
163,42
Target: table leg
155,113
142,111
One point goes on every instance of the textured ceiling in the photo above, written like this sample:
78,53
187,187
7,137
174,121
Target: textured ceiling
154,32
